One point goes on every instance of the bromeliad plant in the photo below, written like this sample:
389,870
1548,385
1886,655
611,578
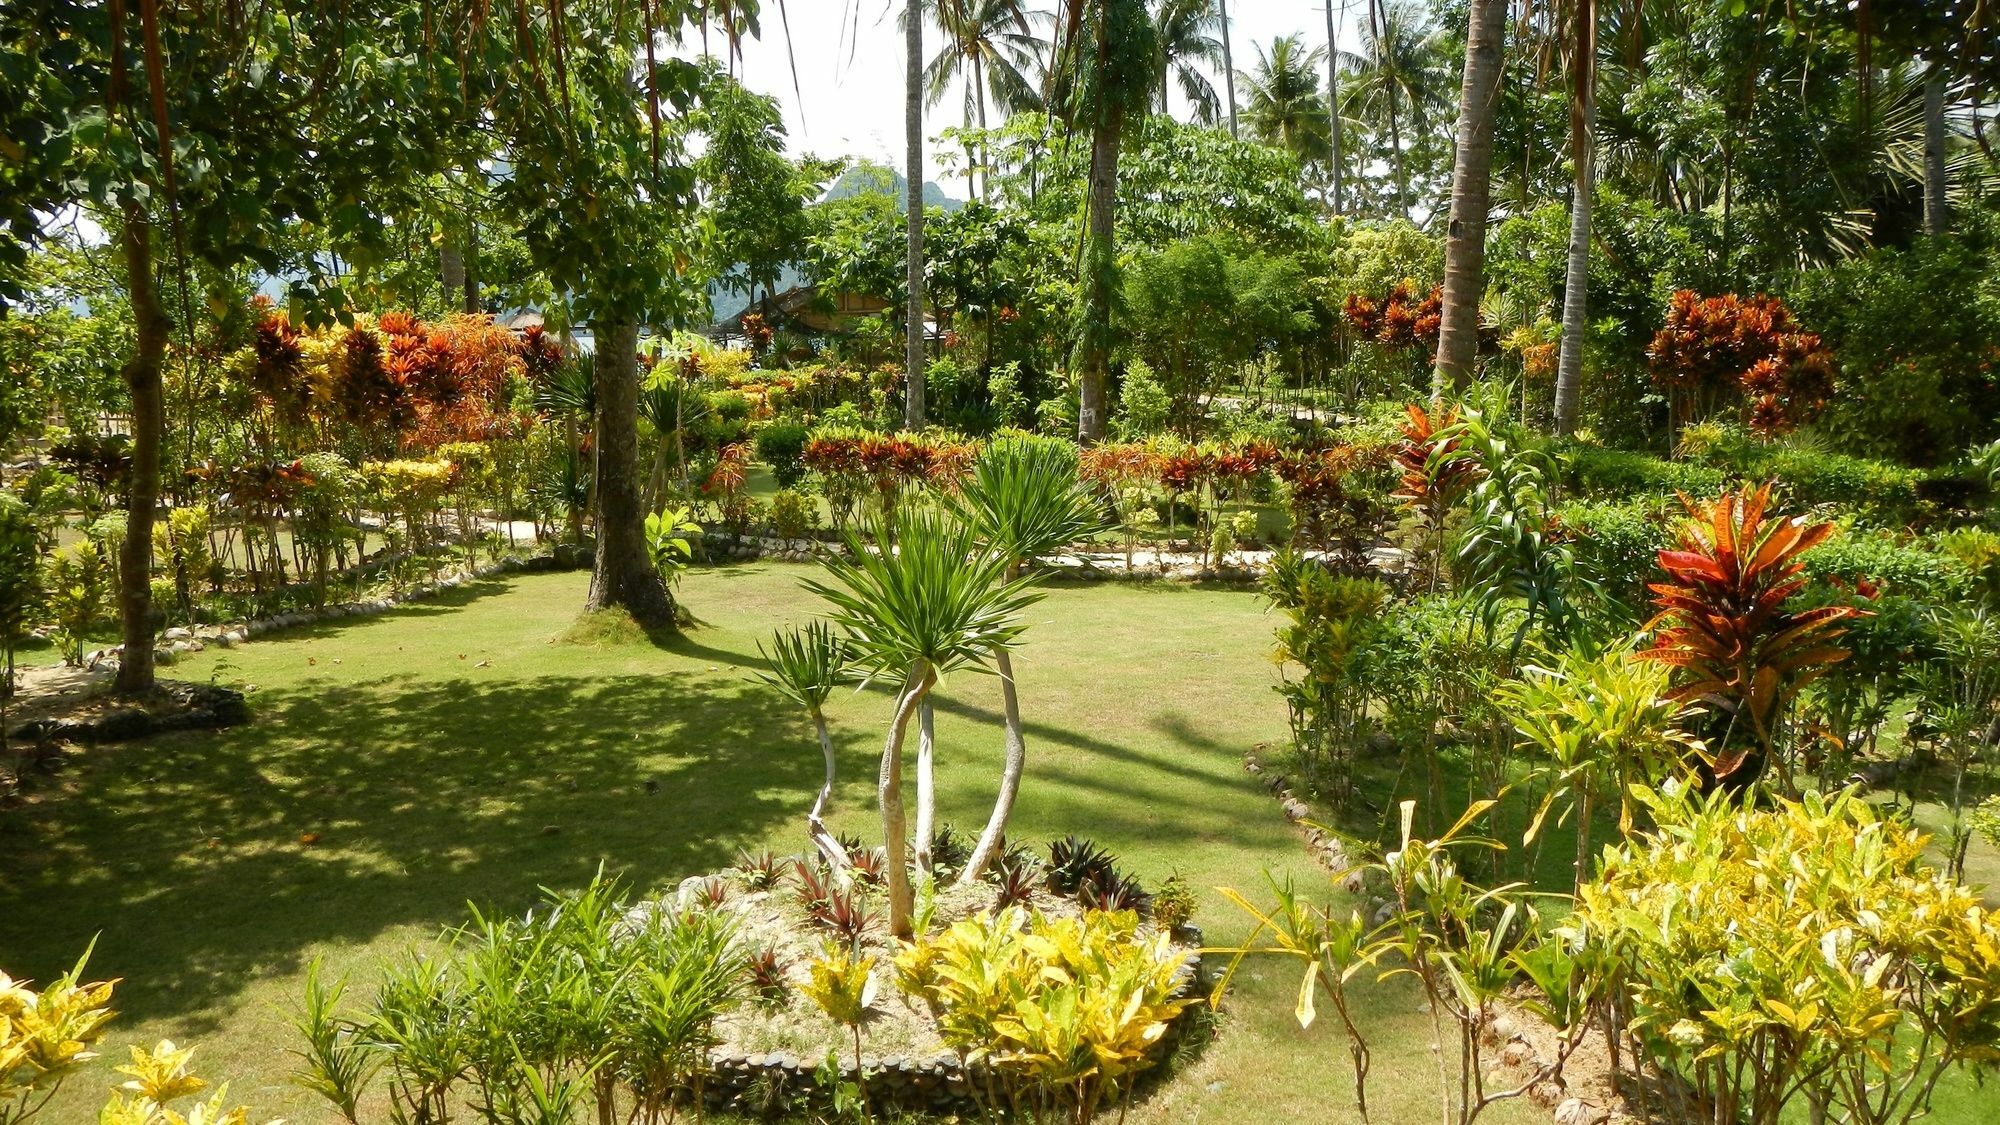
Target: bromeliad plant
1800,951
935,601
1741,652
1063,1012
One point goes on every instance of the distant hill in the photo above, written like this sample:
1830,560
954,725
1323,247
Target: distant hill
880,179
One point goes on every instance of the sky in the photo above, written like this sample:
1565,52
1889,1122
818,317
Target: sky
853,75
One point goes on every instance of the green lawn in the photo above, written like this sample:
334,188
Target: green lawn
456,751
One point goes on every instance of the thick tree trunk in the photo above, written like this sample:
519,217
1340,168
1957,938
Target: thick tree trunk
1936,215
1094,348
1333,105
142,488
889,795
824,841
1228,68
623,575
1471,185
913,253
1015,765
1576,277
926,785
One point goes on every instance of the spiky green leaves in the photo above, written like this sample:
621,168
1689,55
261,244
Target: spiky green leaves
1023,498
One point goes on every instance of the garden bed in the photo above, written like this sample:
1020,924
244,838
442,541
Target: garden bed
776,1054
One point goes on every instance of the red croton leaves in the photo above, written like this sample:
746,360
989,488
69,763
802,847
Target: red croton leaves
1722,617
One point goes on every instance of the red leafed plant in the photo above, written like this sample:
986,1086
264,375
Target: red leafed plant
1723,622
1400,320
1715,348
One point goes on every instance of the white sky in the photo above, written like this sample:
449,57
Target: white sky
853,83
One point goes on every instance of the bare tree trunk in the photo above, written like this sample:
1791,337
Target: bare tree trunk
1228,68
1935,212
913,255
1333,104
988,848
1471,185
1099,260
623,574
142,488
1576,278
889,794
926,785
471,305
451,271
823,841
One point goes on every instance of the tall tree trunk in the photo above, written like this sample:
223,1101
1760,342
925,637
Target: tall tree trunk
889,795
142,488
1099,262
1935,213
913,255
623,574
926,785
1471,185
1228,68
451,271
985,164
824,841
1576,277
471,305
1333,105
1015,765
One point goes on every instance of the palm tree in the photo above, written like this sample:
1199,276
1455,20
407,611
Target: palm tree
806,665
1187,30
934,602
913,218
1283,101
1228,67
989,47
1583,157
1333,108
1399,72
1023,501
1114,78
1471,189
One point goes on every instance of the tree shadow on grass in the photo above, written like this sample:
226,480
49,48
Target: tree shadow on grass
204,861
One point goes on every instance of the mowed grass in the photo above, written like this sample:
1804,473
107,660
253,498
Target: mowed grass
461,750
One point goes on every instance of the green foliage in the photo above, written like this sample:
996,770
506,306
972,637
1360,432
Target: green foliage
1143,404
1797,952
781,444
1616,473
576,1003
671,534
1023,500
21,546
1616,545
76,581
1916,333
794,515
1332,622
806,664
46,1036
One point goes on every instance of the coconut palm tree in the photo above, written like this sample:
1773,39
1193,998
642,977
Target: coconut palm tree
1188,40
990,49
1583,159
1471,191
1283,103
934,602
1228,67
806,665
1400,76
1023,501
913,216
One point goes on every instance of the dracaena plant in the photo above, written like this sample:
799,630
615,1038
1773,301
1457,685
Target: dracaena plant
935,601
805,666
1726,623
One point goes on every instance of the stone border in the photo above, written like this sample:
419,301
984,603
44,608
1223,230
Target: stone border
174,705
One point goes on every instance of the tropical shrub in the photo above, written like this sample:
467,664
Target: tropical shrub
782,445
46,1036
579,1004
1616,547
76,580
670,541
1725,624
20,581
1715,350
1066,1011
1331,622
1849,982
794,515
